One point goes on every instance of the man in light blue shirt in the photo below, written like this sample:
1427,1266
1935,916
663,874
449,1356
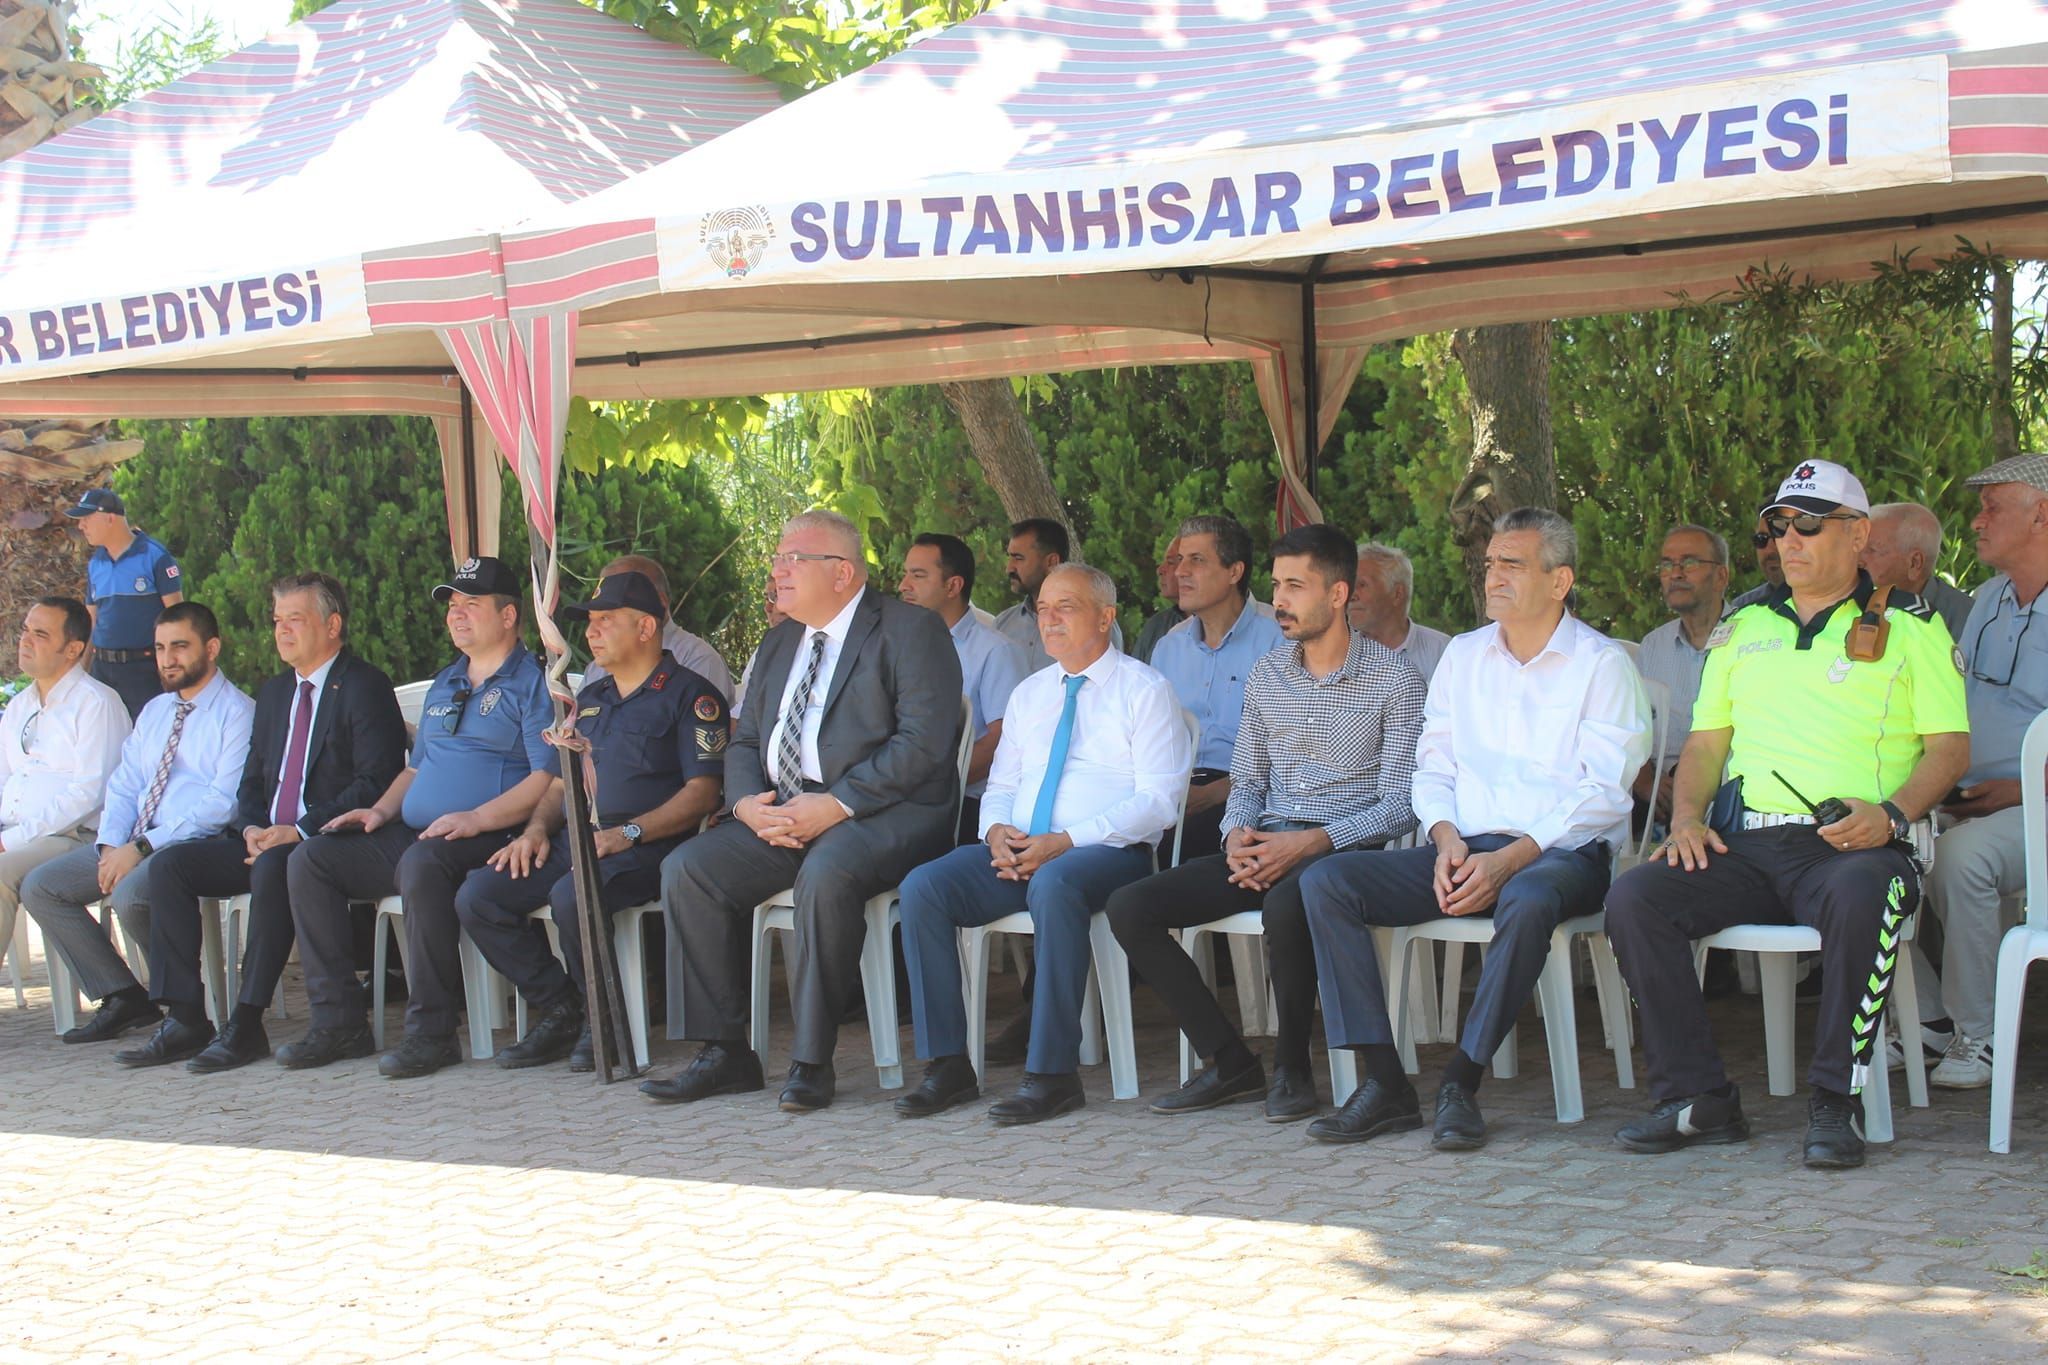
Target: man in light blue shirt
938,574
1209,656
178,780
1981,860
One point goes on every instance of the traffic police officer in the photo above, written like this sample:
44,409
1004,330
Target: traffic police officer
129,580
1820,691
479,767
657,734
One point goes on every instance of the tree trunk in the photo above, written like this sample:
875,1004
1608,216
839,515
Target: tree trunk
2005,440
43,465
1004,447
1507,377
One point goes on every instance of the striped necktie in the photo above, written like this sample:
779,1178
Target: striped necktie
789,766
145,817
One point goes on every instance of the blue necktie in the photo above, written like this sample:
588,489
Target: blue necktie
1056,761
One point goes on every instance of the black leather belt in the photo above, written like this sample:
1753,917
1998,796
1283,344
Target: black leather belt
123,656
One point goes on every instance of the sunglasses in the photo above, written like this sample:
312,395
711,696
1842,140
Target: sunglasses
452,722
1807,524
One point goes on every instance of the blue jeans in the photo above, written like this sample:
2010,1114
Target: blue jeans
962,891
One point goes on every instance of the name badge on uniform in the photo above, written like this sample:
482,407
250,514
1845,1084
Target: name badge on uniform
1720,634
587,712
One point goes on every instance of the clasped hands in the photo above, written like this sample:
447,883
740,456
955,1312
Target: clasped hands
1468,883
1015,855
789,824
1260,860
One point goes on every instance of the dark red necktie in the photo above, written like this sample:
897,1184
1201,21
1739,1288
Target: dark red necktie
295,758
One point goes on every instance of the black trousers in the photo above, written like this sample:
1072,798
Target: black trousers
135,679
179,877
1785,875
1195,893
496,911
330,872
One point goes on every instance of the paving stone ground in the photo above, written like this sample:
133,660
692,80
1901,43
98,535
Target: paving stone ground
335,1216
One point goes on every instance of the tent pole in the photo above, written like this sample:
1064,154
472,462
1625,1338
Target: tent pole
1311,383
472,526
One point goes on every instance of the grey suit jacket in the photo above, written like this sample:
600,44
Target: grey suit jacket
888,745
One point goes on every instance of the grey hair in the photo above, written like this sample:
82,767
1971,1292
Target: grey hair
1714,538
839,528
644,566
1560,541
1918,527
328,594
1101,586
1396,569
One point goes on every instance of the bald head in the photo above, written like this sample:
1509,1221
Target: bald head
1904,545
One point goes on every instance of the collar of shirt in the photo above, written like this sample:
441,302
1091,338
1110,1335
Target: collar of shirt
1105,664
964,629
61,689
1247,611
1354,664
138,544
318,677
1563,642
836,629
506,667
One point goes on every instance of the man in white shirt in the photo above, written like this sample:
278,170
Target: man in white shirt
691,651
1534,727
1692,572
176,782
1093,760
1379,607
59,741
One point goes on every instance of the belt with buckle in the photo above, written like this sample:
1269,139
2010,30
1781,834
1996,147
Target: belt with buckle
123,656
1758,819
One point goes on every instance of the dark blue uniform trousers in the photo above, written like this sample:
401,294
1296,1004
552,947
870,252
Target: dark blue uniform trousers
1348,893
496,909
962,891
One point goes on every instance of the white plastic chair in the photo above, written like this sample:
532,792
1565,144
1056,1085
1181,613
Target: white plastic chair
877,952
1106,1015
17,950
64,986
483,990
223,929
2024,944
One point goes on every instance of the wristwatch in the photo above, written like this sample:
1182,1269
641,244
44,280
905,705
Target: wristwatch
631,831
143,845
1902,828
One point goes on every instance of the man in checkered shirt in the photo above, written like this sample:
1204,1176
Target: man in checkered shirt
1322,763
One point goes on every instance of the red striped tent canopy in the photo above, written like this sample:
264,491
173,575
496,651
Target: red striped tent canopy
1069,183
248,238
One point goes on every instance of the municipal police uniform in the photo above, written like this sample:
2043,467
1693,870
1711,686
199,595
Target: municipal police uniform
644,747
476,742
126,595
1805,716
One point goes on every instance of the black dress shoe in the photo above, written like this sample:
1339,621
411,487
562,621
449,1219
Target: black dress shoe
947,1081
717,1070
240,1043
172,1042
1292,1096
1209,1088
552,1038
1009,1046
1834,1134
419,1054
1458,1125
324,1045
811,1085
1372,1109
116,1015
1039,1098
583,1056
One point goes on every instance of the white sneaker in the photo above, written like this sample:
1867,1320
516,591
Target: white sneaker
1965,1066
1934,1044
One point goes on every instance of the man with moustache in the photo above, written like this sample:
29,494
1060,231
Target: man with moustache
1093,759
1037,546
1167,617
328,738
1767,564
60,740
1380,600
176,782
1692,569
691,651
1904,548
1322,764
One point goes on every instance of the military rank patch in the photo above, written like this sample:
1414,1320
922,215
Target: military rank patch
1721,634
588,711
708,709
711,738
658,681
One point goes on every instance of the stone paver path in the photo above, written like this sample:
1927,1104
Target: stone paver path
478,1214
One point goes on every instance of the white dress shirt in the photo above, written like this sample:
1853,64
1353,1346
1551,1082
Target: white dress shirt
814,711
1547,748
56,753
1128,760
206,775
318,677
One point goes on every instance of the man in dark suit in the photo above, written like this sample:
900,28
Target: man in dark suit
328,738
842,778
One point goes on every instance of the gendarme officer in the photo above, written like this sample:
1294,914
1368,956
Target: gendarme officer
129,580
1822,690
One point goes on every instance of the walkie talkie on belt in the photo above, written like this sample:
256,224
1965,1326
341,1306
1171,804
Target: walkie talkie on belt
1828,812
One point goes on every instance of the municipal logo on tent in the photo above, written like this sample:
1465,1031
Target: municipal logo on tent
737,239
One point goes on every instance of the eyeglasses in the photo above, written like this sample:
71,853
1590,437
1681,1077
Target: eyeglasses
1688,565
28,729
782,559
1807,524
452,721
1977,669
1760,538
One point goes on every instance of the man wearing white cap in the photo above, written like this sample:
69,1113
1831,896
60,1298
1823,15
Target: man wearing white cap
1836,707
1982,860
